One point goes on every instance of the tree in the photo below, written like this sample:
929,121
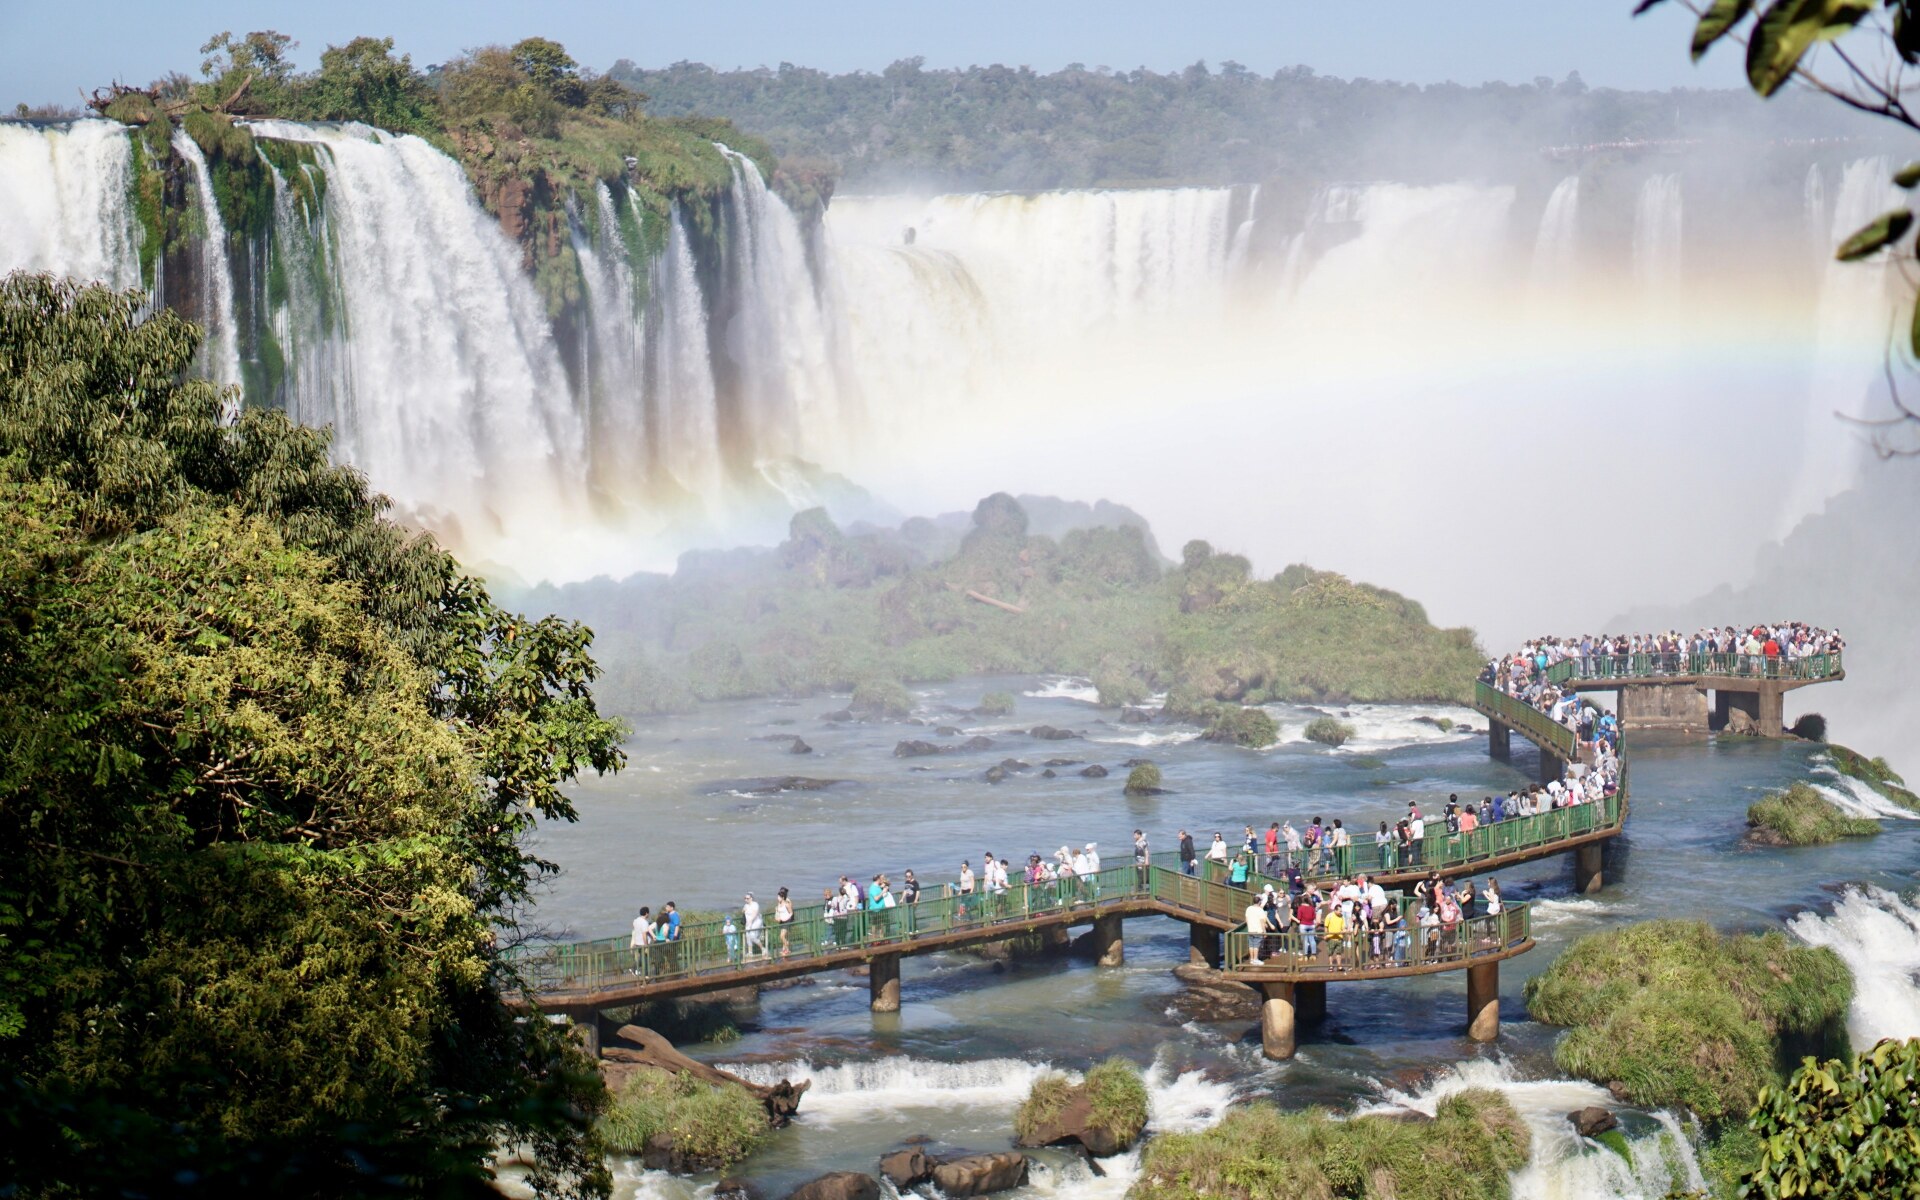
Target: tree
265,761
248,75
551,69
362,81
1841,1128
1857,52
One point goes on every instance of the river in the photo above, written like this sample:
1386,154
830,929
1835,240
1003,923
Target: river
682,823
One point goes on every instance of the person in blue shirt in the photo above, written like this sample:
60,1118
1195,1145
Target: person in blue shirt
672,920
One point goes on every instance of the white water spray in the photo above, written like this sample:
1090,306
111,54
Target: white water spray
222,350
1877,934
64,202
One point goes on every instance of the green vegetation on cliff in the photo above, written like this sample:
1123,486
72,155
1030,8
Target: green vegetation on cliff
1681,1015
1874,772
829,610
1259,1152
268,760
1800,816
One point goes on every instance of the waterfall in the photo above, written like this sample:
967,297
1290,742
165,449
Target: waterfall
1555,254
214,271
65,202
1877,934
612,345
1656,236
680,370
454,400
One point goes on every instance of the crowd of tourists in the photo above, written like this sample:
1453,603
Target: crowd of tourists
1358,924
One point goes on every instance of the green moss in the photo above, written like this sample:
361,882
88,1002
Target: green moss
711,1126
151,157
1329,732
1800,816
881,698
1143,780
1874,772
1046,1099
1119,1097
1118,690
242,185
1684,1016
1259,1152
1236,725
1616,1141
302,167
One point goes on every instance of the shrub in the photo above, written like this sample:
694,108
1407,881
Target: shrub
1812,727
1117,690
1800,816
1259,1152
710,1126
881,698
1841,1128
1682,1015
1238,726
996,704
1143,780
1329,732
1119,1097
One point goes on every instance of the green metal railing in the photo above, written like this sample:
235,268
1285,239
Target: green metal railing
707,950
1437,851
1357,952
1537,726
1735,666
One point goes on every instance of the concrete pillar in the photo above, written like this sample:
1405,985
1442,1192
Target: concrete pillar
1552,766
1587,875
1483,1002
1203,944
1681,707
1310,1000
1108,948
1499,740
1772,720
1276,1020
1055,937
883,982
589,1026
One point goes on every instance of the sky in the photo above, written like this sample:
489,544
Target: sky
50,53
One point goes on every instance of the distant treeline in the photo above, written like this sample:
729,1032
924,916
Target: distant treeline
1014,128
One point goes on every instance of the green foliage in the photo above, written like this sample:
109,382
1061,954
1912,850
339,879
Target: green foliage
1810,727
1119,1098
1841,1128
1046,1099
265,762
1872,771
1682,1015
996,704
362,81
711,1125
1800,816
881,699
1143,780
1329,731
1259,1152
1237,725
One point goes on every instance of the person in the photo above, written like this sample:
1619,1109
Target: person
1383,845
1142,861
1188,862
1341,842
1467,901
756,927
966,889
672,917
1416,838
1306,916
1249,843
1237,874
731,932
1495,906
1218,851
1256,917
642,938
1429,930
1090,873
1271,867
1312,842
1291,837
1334,926
783,917
1396,927
831,909
910,887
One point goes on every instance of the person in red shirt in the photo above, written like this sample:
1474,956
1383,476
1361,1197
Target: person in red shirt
1272,865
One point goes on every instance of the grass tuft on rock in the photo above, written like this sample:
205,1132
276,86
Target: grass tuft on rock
1681,1015
1259,1152
1046,1100
996,704
1236,725
881,698
1119,1097
1143,780
1800,816
1329,732
1874,772
711,1126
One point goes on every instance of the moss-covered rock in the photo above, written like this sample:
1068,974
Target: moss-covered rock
1874,772
1106,1112
1800,816
1329,732
881,699
677,1123
996,704
1259,1152
1235,725
1143,780
1677,1014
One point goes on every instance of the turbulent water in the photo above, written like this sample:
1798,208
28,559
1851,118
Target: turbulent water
936,348
687,822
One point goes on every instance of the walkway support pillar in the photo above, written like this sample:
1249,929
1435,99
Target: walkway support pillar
1587,874
883,982
1310,1000
1483,1002
1552,766
1108,947
1055,937
1772,720
1203,944
588,1024
1499,740
1276,1020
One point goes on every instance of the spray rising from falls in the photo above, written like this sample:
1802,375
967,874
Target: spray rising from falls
1877,934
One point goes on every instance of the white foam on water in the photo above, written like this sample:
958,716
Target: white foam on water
1856,797
1144,737
858,1090
1563,1165
1379,727
1065,687
1877,934
1567,911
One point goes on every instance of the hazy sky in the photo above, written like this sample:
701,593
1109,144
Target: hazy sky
48,50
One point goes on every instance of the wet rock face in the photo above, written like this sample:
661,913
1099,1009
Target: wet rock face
1592,1121
980,1174
906,1168
838,1185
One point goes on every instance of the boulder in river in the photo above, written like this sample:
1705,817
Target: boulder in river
772,785
1096,771
1049,773
1063,762
907,1167
1592,1121
635,1047
1211,996
978,741
799,747
995,774
980,1174
947,731
1048,733
1014,764
839,715
1136,716
915,748
736,1189
838,1185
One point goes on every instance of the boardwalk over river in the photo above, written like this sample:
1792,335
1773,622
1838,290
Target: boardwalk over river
1289,969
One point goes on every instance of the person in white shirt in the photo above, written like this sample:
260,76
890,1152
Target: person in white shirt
1256,931
642,930
1093,859
1376,897
756,927
1218,851
1418,828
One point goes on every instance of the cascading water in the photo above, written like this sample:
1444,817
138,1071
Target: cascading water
65,202
215,270
1657,233
1555,253
1877,934
680,370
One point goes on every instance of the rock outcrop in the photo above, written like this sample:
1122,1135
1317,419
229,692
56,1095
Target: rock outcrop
838,1185
980,1174
1592,1121
638,1049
